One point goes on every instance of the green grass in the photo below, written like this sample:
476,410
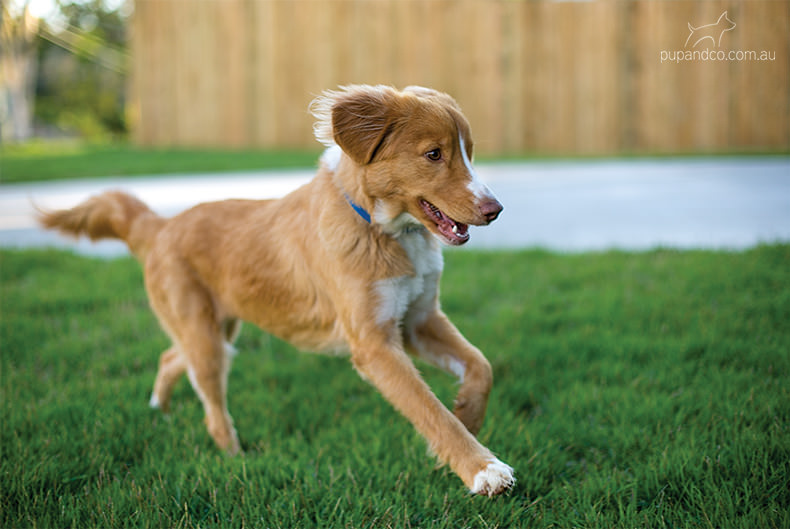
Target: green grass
38,161
43,160
631,390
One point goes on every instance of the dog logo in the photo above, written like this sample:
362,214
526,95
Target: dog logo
714,31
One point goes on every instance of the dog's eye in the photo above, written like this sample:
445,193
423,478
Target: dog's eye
434,155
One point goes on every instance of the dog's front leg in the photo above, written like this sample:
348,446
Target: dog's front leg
384,363
436,340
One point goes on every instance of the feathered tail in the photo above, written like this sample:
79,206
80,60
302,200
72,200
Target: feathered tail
111,215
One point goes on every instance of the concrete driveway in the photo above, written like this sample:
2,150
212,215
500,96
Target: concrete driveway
632,204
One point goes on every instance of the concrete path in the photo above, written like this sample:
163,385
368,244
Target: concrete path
639,204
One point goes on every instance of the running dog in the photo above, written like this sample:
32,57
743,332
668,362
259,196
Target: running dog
349,262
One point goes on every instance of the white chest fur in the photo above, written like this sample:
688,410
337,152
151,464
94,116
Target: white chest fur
411,297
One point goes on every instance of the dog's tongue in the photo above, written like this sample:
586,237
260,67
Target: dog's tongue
455,232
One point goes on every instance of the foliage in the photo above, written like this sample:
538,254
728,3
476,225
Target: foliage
644,389
75,92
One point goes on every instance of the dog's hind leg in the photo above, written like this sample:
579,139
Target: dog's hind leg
437,341
231,328
208,365
171,366
187,312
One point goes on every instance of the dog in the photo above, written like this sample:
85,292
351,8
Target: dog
350,262
714,31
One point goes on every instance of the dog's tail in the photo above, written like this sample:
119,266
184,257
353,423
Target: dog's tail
111,215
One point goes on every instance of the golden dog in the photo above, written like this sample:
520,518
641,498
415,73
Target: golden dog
350,262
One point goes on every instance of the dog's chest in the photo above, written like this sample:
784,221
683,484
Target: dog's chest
410,297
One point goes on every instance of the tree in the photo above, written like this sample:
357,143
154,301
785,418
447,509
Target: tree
18,65
73,65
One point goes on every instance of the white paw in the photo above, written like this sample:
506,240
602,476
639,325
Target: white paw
154,402
494,479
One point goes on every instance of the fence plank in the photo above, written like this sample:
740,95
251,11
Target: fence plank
532,75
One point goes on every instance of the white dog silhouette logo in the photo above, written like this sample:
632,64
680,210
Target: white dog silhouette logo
714,31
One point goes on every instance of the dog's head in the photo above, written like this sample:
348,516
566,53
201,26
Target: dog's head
409,154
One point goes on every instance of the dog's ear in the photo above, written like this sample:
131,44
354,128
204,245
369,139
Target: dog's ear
357,118
435,95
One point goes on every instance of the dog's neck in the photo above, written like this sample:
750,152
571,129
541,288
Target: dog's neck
403,224
362,212
402,228
331,160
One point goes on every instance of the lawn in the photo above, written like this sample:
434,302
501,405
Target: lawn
631,389
55,160
43,160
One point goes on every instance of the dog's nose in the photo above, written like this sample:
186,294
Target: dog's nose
491,209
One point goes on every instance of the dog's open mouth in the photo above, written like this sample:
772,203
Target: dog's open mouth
454,232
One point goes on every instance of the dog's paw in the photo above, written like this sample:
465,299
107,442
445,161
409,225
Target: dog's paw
154,402
494,479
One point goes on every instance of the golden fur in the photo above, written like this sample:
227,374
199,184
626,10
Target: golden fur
310,269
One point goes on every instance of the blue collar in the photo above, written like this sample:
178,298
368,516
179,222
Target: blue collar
362,212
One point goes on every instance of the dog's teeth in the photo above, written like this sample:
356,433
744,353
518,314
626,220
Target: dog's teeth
455,228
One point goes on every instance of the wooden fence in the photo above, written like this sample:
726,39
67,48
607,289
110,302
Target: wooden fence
597,77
